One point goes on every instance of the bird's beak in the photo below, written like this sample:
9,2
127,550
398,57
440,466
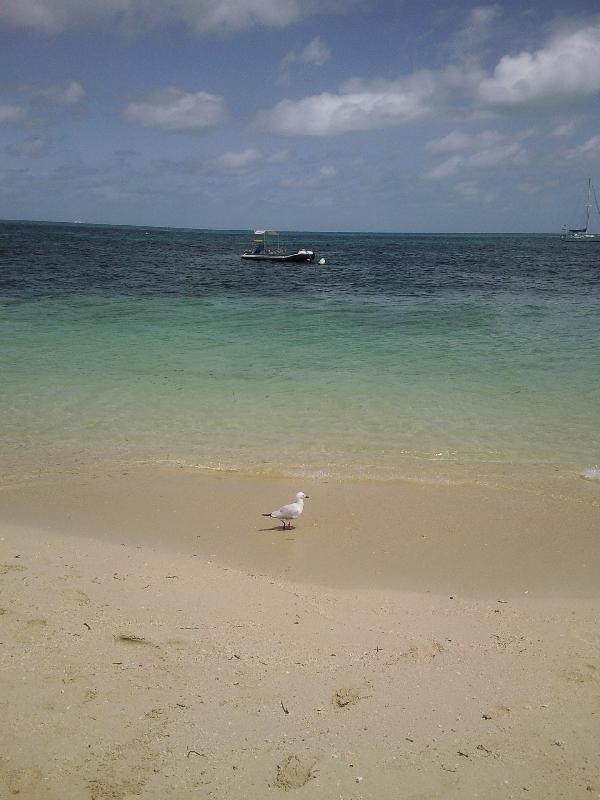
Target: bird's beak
307,497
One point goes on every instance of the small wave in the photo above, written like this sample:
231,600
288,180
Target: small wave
591,474
314,474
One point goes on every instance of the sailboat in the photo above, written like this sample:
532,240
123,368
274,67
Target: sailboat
583,234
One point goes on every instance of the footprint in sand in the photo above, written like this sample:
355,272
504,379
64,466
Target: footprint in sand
294,773
419,653
22,782
71,674
155,713
584,674
350,695
6,568
90,694
76,596
496,713
124,770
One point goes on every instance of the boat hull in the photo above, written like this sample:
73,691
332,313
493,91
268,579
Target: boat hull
299,257
581,237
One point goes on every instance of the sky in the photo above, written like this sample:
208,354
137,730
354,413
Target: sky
323,115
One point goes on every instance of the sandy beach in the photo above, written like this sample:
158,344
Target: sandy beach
252,248
162,639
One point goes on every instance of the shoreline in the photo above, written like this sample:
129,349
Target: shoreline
537,476
473,539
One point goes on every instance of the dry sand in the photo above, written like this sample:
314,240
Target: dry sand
159,638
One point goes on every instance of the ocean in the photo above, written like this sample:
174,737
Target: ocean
404,356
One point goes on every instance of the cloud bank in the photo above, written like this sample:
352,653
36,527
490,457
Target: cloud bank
139,16
567,68
561,73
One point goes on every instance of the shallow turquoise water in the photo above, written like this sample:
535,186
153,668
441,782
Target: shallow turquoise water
402,350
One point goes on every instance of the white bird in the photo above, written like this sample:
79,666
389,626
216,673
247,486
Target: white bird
289,512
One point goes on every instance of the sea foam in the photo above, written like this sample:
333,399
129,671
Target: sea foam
592,474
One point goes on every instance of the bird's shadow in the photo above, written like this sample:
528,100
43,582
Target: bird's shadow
276,528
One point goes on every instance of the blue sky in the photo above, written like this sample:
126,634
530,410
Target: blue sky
300,114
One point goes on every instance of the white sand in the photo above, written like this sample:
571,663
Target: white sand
135,668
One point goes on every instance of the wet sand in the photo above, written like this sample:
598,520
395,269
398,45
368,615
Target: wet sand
161,638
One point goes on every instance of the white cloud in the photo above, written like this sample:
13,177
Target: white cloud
483,150
509,153
279,157
476,32
69,95
587,150
139,16
326,173
457,141
10,114
315,53
566,69
471,190
448,167
178,111
564,130
360,106
72,94
240,161
481,16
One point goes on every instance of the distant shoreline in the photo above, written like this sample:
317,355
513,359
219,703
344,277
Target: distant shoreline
244,231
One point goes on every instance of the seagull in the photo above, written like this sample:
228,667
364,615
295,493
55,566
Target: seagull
292,511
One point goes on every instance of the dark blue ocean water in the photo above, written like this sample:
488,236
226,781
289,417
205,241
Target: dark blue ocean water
401,352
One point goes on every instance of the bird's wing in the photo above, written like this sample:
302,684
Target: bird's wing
291,510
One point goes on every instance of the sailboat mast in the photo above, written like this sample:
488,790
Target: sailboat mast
588,205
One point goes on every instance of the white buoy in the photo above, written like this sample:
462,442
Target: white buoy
322,261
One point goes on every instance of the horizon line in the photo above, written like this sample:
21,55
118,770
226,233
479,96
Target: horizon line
283,230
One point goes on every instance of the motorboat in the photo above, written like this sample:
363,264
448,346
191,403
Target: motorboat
266,247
